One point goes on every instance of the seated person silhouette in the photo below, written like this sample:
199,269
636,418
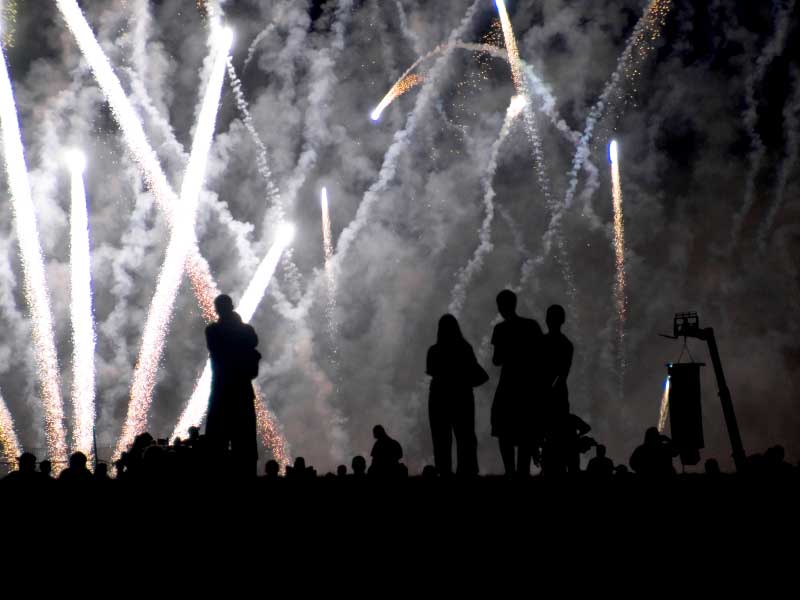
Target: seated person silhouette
565,441
517,345
231,421
653,459
386,454
600,466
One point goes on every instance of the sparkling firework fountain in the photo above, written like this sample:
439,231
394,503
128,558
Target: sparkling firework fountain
195,410
9,443
620,299
663,411
83,330
181,240
35,287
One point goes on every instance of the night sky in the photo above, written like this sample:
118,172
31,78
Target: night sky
708,125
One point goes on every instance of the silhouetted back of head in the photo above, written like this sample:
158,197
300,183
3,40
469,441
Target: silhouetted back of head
449,331
507,304
379,432
46,467
272,468
299,464
341,470
712,467
556,317
223,305
27,462
359,465
77,461
651,436
101,471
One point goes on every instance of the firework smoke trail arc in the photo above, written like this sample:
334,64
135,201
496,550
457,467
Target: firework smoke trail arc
791,124
251,49
203,285
620,298
663,411
772,50
35,286
458,296
181,238
9,443
83,327
195,410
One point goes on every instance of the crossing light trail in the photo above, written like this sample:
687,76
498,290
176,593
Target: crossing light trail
34,284
83,327
181,239
203,285
195,410
620,298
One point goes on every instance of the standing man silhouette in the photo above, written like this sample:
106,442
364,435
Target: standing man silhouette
516,344
231,412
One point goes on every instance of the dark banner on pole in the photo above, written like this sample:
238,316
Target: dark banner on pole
685,412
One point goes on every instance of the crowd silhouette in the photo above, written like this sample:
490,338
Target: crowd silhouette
530,417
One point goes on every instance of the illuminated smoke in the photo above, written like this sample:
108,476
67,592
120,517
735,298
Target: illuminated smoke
181,239
195,410
9,443
327,245
269,431
143,155
251,50
773,49
663,411
83,329
34,284
620,299
465,276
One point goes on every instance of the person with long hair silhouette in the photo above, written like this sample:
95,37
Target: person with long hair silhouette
454,371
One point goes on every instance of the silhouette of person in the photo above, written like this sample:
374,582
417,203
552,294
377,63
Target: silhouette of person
272,470
653,459
46,469
600,466
101,473
711,468
26,471
359,466
386,454
341,471
564,444
557,353
454,371
77,471
231,412
517,343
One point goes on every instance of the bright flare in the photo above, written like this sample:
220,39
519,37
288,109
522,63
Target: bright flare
9,443
511,47
620,298
83,330
34,284
664,410
398,89
195,410
143,155
270,433
181,240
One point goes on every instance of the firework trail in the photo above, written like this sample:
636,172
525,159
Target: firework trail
465,275
251,49
83,331
663,411
195,410
645,32
144,157
773,49
35,286
327,244
411,36
398,89
181,238
8,435
399,145
619,253
791,123
269,431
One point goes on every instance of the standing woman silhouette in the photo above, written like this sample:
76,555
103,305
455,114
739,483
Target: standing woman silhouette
454,371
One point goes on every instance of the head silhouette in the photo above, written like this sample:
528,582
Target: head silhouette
556,316
46,467
101,470
449,331
379,432
507,304
651,436
359,465
77,461
341,471
27,462
272,469
223,305
600,450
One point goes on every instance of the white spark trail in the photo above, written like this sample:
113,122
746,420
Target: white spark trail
203,284
181,239
772,50
458,296
34,283
620,299
83,326
663,410
195,411
9,443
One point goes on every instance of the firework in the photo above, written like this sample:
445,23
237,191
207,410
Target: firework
619,254
398,89
663,411
169,279
83,331
8,435
195,410
35,286
511,46
270,432
143,155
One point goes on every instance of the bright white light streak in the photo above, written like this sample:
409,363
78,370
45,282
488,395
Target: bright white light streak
620,295
663,411
511,47
612,151
83,329
143,155
34,284
181,239
195,410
